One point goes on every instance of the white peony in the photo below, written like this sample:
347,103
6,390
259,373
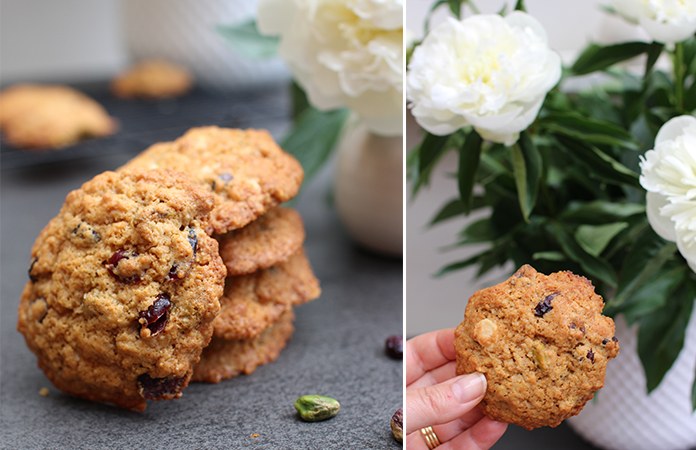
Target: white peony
668,173
666,21
344,53
487,71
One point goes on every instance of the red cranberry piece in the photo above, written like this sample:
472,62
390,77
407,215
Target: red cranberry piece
159,388
395,347
155,318
544,306
112,265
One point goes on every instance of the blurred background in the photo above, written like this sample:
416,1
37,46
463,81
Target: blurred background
435,303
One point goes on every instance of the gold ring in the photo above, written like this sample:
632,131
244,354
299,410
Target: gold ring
430,437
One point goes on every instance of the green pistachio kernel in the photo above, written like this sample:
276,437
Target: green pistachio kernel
314,408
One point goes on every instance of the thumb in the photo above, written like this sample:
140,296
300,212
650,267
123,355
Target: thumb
444,402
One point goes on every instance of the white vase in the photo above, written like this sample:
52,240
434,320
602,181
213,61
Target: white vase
368,189
183,32
624,416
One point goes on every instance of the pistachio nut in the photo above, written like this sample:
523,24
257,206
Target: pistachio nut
314,408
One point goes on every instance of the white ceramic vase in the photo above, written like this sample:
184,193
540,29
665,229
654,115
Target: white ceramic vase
368,189
625,417
183,32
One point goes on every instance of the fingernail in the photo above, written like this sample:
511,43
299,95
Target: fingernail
470,387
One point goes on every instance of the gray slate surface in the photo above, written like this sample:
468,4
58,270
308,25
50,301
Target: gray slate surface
337,349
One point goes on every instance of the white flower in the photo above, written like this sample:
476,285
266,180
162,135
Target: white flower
344,53
487,71
666,21
668,173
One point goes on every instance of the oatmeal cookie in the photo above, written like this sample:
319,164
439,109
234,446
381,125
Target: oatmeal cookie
224,359
124,288
542,343
245,170
38,116
152,79
265,242
253,302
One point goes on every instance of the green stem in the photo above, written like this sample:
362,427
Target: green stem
678,64
546,195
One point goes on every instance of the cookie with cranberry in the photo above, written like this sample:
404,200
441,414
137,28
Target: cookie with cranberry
152,79
247,172
251,303
542,343
124,288
224,359
265,242
46,116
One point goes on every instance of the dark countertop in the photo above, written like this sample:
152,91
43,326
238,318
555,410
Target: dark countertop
337,349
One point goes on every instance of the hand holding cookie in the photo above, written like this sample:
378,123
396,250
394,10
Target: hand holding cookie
441,406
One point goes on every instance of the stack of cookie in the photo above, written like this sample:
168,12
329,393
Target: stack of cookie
267,273
127,286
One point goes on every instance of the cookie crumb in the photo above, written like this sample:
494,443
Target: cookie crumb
43,392
255,435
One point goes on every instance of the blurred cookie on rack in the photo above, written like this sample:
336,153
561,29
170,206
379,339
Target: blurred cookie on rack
152,79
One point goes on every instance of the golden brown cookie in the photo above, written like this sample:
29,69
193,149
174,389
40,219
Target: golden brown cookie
251,303
152,79
265,242
36,116
124,287
542,343
224,359
245,170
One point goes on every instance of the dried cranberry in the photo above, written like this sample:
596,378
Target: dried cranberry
395,347
112,265
159,388
614,339
544,306
155,318
590,356
605,341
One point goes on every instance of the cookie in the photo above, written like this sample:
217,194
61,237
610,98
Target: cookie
224,359
152,79
37,116
265,242
124,288
245,170
251,303
542,343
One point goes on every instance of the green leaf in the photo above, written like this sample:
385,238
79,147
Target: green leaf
455,208
652,295
425,158
661,334
588,129
654,52
313,136
527,166
600,211
648,254
454,5
595,238
245,38
693,395
594,266
469,155
690,97
549,256
520,6
599,163
596,57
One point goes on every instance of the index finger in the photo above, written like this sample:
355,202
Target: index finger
427,352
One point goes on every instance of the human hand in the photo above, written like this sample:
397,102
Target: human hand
436,397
